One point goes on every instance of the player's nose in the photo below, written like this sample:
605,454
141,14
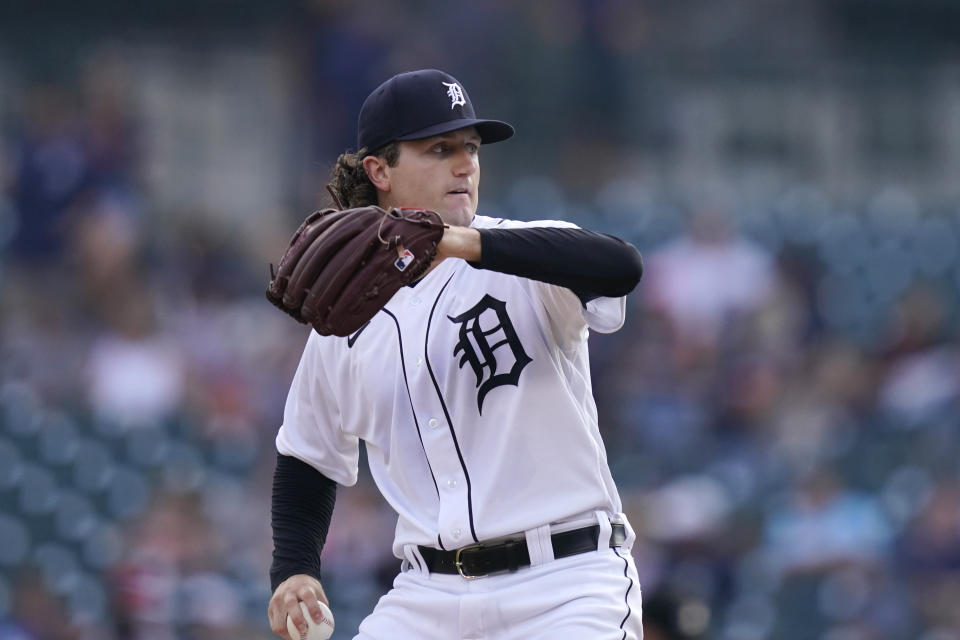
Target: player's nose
464,162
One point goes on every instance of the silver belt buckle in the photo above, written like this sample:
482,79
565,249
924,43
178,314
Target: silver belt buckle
459,563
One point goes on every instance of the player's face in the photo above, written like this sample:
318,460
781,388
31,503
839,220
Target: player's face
441,173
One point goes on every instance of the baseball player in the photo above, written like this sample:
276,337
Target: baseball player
471,390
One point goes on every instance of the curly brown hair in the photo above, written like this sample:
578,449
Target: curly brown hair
349,180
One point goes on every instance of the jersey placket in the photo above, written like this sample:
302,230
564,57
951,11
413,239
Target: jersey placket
455,525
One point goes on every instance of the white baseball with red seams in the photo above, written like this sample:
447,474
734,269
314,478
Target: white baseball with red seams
315,630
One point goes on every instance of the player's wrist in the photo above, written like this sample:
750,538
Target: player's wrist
460,242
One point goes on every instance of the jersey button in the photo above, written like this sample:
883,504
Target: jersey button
451,484
415,301
457,533
434,423
419,361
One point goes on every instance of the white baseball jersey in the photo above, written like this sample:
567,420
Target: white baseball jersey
472,392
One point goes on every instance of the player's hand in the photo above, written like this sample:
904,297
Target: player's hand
286,599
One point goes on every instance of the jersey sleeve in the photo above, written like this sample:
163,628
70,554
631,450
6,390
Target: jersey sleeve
569,317
312,427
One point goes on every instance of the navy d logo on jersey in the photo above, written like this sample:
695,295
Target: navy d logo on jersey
486,334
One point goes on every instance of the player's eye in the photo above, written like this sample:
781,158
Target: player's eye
472,148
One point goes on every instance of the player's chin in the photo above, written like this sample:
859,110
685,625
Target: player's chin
457,210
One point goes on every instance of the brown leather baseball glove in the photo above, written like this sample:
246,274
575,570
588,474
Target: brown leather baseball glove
342,266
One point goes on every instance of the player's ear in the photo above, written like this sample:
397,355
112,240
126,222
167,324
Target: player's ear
377,170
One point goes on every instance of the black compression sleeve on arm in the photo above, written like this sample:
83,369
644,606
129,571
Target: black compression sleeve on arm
302,504
590,264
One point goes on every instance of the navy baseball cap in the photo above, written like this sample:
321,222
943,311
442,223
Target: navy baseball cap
420,104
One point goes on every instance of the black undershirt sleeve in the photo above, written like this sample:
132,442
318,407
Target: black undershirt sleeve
302,504
590,264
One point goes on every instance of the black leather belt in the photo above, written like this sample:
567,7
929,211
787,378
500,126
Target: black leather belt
479,560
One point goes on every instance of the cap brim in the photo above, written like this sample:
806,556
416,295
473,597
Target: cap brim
490,130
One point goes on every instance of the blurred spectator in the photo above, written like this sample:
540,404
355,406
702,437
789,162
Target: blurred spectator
930,557
51,169
823,525
813,418
707,279
37,613
135,375
923,376
168,580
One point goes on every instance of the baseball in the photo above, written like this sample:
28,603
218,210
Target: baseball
316,630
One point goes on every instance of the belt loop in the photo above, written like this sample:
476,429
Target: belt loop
415,561
603,540
631,534
539,545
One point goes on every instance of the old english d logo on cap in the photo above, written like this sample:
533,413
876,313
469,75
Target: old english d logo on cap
455,91
420,104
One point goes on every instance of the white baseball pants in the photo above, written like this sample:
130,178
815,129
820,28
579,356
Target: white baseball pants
590,596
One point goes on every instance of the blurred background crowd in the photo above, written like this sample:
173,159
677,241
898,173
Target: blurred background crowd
780,410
